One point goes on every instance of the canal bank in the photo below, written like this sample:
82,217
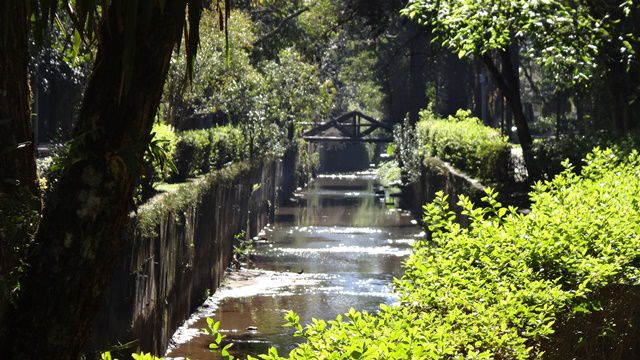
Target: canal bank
179,245
337,246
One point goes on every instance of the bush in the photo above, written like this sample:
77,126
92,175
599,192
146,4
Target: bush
463,141
192,154
164,139
199,151
389,173
551,152
543,125
502,286
228,145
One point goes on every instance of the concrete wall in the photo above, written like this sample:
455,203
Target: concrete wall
437,175
164,274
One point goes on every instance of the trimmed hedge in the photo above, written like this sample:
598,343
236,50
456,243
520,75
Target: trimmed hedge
200,151
471,147
502,287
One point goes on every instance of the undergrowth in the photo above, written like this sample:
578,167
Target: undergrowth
501,287
467,144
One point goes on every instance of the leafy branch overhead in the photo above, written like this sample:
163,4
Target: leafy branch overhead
559,34
87,17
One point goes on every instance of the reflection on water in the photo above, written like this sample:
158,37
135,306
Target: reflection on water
338,247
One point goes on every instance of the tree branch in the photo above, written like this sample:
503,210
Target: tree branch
282,25
527,75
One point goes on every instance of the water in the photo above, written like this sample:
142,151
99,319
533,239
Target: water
339,247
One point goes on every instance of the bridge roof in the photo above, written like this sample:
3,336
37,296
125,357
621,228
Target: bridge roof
352,126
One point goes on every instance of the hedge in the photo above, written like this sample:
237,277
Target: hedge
199,151
503,287
462,140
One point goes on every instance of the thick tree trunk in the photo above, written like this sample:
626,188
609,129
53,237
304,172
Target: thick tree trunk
508,81
417,81
19,198
17,155
80,234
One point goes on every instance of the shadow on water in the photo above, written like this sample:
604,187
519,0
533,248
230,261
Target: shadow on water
337,247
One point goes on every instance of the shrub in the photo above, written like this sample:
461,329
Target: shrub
551,152
199,151
161,151
389,173
192,153
228,145
498,288
468,145
543,125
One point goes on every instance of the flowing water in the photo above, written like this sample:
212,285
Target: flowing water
339,246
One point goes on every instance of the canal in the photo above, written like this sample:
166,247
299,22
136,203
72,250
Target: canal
337,246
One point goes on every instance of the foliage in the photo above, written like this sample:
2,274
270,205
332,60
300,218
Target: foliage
242,247
161,151
19,218
468,145
307,161
407,151
497,289
389,173
199,151
559,33
140,356
86,19
222,81
213,330
551,152
294,91
192,153
361,90
543,125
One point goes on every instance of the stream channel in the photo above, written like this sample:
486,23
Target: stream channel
336,247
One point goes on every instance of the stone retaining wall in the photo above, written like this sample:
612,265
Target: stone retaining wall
167,269
437,175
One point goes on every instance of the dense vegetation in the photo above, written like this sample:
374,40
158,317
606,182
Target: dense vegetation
467,144
551,152
134,103
504,286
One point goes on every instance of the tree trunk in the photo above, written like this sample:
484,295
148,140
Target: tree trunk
508,81
81,230
17,154
417,81
19,195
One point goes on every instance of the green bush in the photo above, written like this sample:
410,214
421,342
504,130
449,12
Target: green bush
199,151
468,145
161,151
501,287
192,153
549,153
389,173
543,125
228,145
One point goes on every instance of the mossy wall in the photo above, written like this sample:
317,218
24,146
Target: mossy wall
437,175
179,246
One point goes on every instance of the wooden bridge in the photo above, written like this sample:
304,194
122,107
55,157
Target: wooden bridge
353,126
